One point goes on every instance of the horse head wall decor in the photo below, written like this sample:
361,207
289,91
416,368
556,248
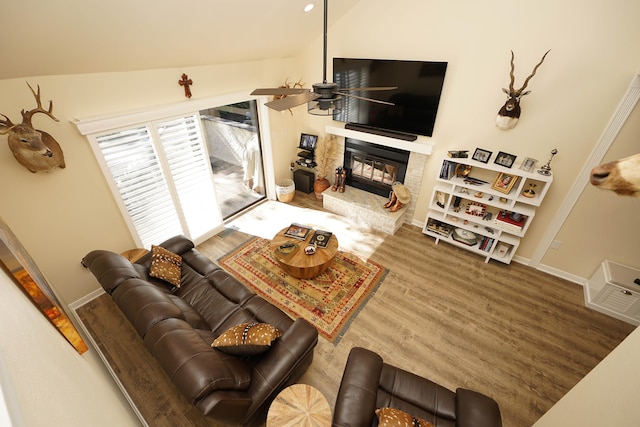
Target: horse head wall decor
509,114
34,149
620,176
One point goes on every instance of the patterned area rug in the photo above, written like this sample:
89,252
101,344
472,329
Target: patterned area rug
329,302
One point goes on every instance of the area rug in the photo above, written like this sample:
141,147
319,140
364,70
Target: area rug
330,301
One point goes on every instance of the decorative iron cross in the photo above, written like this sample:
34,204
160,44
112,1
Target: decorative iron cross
186,82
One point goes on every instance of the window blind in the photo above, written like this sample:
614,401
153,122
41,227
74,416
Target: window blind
162,174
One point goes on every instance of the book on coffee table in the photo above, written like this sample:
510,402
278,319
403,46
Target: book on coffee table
320,238
297,231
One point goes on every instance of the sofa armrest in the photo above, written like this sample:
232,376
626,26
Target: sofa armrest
109,268
289,356
356,401
474,409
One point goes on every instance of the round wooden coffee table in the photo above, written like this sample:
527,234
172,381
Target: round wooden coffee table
299,405
297,263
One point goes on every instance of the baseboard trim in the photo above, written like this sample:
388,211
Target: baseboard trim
85,299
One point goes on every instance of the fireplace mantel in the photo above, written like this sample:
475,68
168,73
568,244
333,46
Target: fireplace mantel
415,147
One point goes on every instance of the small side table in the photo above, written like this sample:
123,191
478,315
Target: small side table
299,405
134,254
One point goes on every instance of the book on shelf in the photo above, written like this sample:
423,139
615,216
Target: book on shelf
297,231
448,170
321,238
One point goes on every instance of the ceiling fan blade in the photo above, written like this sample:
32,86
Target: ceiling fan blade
292,101
350,89
364,99
279,91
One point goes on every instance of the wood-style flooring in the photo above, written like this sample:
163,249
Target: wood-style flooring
521,336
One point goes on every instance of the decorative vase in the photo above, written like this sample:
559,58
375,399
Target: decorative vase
319,185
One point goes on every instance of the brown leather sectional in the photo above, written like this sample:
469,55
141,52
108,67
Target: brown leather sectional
178,326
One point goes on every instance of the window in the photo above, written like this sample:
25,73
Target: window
162,174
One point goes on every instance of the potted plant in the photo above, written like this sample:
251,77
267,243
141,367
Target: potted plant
326,155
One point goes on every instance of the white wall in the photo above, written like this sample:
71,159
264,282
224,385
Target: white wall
51,383
607,396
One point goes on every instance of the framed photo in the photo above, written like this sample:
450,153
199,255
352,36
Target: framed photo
504,182
308,142
505,159
476,209
482,155
529,164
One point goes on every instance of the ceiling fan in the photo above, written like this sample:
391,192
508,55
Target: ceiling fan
325,97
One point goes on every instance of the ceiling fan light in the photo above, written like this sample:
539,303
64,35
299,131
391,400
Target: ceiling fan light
325,107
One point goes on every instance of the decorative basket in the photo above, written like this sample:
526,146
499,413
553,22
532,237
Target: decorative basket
285,190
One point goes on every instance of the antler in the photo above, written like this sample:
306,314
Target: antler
26,115
6,123
532,74
511,74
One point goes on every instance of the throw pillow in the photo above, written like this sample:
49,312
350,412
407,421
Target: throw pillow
165,265
391,417
247,339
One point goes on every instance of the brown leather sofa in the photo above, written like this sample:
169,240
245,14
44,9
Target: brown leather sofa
178,326
368,384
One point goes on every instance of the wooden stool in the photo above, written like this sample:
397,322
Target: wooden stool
299,405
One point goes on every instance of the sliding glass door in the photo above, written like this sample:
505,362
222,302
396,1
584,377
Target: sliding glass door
233,141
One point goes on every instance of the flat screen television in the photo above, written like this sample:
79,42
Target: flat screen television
416,99
308,142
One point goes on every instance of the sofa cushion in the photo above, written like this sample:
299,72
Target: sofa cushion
165,265
189,361
247,339
391,417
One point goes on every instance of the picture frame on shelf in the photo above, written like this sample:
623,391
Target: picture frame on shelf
504,182
481,155
529,164
505,159
476,209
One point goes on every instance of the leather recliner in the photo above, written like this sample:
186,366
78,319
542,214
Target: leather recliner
368,384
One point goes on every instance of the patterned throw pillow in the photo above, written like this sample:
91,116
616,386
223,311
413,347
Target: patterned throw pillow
391,417
247,339
165,265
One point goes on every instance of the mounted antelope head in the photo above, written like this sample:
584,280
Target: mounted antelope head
509,114
34,149
620,176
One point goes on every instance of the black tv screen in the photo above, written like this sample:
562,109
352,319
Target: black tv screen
416,99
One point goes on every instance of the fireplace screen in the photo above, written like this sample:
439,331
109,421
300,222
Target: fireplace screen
373,169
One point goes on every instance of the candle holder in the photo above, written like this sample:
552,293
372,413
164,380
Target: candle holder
546,169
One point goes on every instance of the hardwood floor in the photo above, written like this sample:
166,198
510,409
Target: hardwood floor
514,333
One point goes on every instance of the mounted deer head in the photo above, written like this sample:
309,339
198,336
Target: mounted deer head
509,114
34,149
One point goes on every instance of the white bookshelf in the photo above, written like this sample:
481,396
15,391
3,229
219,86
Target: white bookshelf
467,210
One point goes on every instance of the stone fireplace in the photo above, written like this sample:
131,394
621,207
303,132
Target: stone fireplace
383,160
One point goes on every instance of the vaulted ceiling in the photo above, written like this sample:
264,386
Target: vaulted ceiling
44,37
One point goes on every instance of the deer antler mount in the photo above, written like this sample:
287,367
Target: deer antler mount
509,114
34,149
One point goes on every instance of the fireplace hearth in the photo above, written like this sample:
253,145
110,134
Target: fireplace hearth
372,167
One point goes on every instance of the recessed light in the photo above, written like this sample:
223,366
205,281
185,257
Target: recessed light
308,7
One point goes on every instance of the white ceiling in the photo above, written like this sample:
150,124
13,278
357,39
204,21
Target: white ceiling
44,37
